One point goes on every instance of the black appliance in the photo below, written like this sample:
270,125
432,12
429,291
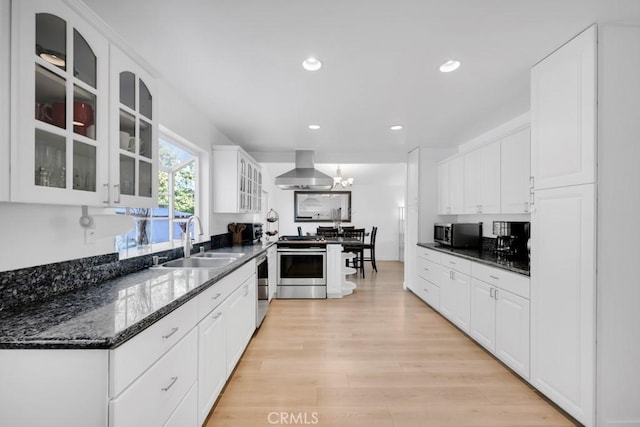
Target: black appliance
252,233
262,271
458,235
511,237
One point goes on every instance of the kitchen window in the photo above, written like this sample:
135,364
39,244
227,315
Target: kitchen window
162,228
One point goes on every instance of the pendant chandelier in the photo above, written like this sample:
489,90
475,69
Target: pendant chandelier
338,180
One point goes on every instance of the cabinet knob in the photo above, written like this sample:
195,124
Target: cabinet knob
494,277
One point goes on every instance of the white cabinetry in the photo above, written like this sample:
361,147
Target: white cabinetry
490,304
236,181
152,398
455,290
71,108
563,113
60,98
563,298
134,134
563,225
451,186
428,272
241,321
515,168
500,315
482,180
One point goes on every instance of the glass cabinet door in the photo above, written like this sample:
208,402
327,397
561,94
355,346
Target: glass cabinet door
134,146
61,93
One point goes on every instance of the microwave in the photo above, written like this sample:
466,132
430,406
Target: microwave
458,235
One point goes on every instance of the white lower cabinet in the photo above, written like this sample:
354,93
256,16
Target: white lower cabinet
152,398
212,359
185,414
490,304
241,321
500,323
512,331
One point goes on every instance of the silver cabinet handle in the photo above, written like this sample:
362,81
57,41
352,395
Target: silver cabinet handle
173,381
215,316
491,290
453,277
173,331
494,277
533,199
117,186
216,296
426,269
495,294
452,262
526,207
531,181
106,191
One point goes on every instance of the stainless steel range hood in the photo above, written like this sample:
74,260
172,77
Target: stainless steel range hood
304,176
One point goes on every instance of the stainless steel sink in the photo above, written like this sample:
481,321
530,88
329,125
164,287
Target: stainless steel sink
219,255
199,262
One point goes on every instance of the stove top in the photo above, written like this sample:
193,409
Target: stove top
301,239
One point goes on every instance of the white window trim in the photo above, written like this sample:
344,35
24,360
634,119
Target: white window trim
201,197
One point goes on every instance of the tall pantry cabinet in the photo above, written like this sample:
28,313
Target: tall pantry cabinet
563,226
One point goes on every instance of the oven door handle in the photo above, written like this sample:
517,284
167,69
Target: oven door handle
307,250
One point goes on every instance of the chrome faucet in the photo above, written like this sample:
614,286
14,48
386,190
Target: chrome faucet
187,235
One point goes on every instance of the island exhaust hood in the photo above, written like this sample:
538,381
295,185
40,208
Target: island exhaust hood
304,176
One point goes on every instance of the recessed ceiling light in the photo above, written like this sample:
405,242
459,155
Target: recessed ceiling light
311,64
395,127
314,127
450,65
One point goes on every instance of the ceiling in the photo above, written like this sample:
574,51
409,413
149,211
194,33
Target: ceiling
240,63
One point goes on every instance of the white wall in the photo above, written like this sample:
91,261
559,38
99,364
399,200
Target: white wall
5,38
375,201
618,253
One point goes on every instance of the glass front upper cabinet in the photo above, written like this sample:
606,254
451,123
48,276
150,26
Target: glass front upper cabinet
62,96
135,154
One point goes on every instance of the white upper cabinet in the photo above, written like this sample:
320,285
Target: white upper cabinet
236,181
451,186
83,129
133,180
482,180
444,198
563,115
515,172
60,80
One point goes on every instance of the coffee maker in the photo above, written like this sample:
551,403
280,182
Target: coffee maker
511,238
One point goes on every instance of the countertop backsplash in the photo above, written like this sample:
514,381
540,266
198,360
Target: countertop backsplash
40,283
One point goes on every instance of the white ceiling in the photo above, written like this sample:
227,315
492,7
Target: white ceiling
240,62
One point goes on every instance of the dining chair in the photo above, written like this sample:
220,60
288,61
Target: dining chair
356,233
327,231
371,246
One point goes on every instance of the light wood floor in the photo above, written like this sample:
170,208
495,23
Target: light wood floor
380,357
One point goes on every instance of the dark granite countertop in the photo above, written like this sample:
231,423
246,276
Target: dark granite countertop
486,257
105,316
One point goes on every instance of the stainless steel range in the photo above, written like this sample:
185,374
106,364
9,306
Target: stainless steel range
302,267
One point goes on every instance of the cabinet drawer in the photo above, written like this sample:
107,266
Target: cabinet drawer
186,413
155,395
512,282
131,359
428,270
218,292
431,255
428,292
454,263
